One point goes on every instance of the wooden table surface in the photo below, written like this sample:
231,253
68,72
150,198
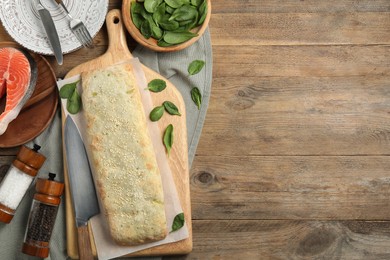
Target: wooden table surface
293,161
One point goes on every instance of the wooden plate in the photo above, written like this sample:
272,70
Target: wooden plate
152,43
38,112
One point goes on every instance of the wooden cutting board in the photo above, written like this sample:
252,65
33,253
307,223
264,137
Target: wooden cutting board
118,51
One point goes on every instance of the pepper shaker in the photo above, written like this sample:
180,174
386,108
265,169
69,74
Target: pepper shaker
42,216
18,179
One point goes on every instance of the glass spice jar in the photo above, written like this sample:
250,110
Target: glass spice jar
18,179
42,216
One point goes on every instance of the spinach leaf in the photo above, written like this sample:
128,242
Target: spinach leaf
169,9
202,12
168,138
151,5
159,13
196,2
67,90
73,104
168,25
157,33
137,20
156,113
171,108
195,67
163,43
157,85
175,3
196,96
178,222
136,8
146,29
178,37
185,12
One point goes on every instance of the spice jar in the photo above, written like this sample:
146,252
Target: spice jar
18,179
42,216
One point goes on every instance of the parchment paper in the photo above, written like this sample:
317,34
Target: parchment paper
105,246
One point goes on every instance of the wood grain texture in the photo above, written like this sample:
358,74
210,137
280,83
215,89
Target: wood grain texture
279,239
290,187
84,243
302,6
298,116
295,143
300,61
336,28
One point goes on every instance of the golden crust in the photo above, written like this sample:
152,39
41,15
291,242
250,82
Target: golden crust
126,172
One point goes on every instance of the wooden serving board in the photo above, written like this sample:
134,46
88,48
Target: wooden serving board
178,160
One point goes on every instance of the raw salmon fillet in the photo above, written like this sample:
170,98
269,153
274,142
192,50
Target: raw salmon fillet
18,75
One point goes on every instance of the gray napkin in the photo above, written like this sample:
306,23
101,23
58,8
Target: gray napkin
173,66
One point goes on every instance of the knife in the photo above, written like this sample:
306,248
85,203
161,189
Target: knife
82,189
51,32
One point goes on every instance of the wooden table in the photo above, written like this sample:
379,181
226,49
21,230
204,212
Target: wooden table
293,162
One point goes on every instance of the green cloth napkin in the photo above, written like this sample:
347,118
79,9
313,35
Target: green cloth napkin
173,66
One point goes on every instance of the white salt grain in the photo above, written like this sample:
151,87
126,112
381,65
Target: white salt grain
13,187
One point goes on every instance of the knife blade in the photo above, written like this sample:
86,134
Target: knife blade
51,32
82,189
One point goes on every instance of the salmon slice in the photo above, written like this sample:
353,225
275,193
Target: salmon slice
18,76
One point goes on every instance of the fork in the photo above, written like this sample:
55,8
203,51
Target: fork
78,28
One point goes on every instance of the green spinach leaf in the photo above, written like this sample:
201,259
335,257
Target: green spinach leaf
171,108
151,5
185,12
195,67
196,96
156,113
178,37
73,104
157,85
178,222
168,138
196,2
203,12
67,90
175,3
146,29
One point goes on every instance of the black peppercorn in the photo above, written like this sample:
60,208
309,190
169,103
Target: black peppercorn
42,217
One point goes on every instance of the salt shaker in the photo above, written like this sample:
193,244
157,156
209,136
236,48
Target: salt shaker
18,179
42,216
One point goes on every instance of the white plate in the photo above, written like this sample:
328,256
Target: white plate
21,20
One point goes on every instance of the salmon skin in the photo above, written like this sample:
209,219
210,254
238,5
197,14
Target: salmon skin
18,77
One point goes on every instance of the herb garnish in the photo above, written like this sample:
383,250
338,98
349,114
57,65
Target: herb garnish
195,67
178,222
157,85
168,138
156,113
171,108
69,92
196,96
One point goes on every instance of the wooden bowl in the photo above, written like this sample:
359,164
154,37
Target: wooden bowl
151,43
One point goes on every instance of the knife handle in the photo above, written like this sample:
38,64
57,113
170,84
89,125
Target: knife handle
84,242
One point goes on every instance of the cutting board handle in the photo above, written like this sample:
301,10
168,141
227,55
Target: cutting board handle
116,35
